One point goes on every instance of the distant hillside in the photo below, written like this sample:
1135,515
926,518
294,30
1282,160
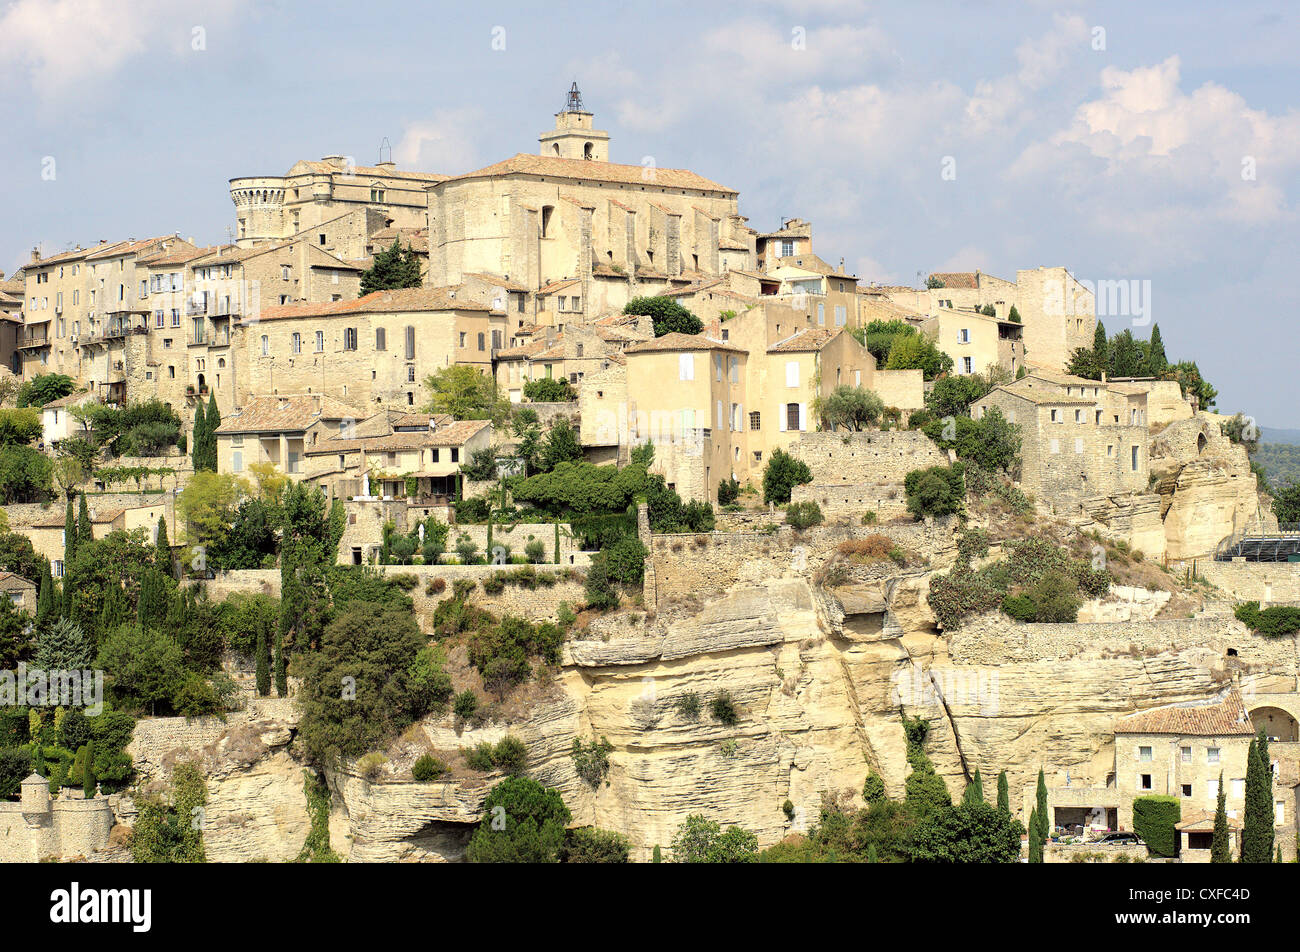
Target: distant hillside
1281,461
1270,435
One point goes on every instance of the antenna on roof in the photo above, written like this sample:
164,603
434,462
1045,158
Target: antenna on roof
385,148
574,102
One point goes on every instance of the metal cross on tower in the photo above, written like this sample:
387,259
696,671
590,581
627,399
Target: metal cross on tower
574,103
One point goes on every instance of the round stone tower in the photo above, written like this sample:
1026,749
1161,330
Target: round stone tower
35,796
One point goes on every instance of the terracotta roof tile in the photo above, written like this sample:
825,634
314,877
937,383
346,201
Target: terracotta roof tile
588,171
378,302
286,413
680,342
1221,716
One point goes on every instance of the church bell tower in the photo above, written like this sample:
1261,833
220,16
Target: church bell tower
573,137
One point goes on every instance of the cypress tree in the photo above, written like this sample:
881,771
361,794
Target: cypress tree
153,604
88,772
281,668
1124,356
38,761
163,548
871,853
1035,840
656,856
1257,823
1100,349
85,528
210,424
198,440
974,793
1221,842
1157,362
45,598
1044,820
263,665
1004,794
113,614
69,535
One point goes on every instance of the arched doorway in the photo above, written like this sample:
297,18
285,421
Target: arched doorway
1276,723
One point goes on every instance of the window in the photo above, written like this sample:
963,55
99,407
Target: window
966,365
1187,789
284,272
755,421
1211,755
381,339
792,373
1144,782
410,373
176,317
266,345
1186,754
560,305
685,366
821,312
410,342
376,194
1144,754
1134,462
296,343
481,341
963,336
349,338
462,338
237,461
717,367
1054,419
455,455
1078,416
735,370
320,341
792,416
1056,446
787,248
1237,789
547,211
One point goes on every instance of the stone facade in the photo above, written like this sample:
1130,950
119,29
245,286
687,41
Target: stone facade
38,827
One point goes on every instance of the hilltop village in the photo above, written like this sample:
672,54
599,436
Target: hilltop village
555,485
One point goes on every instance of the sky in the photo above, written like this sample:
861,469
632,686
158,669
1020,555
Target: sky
1157,144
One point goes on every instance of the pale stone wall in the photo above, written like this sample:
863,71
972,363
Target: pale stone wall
67,827
877,457
1269,583
904,389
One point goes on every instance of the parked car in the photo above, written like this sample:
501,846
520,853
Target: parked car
1120,839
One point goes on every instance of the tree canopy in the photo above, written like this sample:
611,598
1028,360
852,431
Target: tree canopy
394,267
668,315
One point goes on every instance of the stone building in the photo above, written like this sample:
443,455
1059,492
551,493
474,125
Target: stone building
569,214
38,827
47,534
976,341
11,322
1079,438
271,208
21,592
280,429
377,349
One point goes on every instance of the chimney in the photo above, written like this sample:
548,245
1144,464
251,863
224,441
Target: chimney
36,254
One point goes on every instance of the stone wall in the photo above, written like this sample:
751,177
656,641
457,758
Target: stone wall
1268,583
1093,853
66,828
692,566
537,604
878,458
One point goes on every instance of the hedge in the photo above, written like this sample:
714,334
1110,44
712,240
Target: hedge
1154,819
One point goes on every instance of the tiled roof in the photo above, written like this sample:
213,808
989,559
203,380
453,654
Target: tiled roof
802,341
680,342
10,582
128,247
557,286
1221,716
589,171
286,413
305,166
1202,821
452,434
497,279
958,280
378,302
1042,397
100,516
71,399
181,256
523,351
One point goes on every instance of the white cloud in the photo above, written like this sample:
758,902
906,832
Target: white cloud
64,45
447,142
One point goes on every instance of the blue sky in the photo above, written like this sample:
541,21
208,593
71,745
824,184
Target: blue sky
1124,162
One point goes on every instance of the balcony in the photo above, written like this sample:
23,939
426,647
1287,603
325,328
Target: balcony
29,339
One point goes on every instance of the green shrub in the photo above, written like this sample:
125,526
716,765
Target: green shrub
1154,819
1020,607
371,765
600,591
803,515
510,755
471,510
625,560
973,544
479,757
465,705
963,592
728,491
535,551
723,708
427,767
935,491
591,760
688,706
587,844
1273,621
782,473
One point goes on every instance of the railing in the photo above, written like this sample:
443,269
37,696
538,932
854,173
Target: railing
33,340
1259,546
